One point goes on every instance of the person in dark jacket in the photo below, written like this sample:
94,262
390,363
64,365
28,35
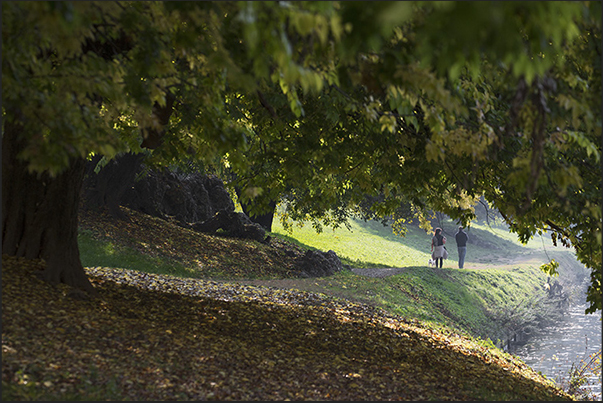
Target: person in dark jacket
461,244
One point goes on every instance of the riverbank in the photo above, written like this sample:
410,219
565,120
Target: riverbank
571,344
501,294
494,305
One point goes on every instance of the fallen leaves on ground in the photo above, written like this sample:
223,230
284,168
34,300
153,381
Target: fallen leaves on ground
205,254
158,337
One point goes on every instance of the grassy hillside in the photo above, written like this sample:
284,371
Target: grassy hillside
186,316
372,244
501,278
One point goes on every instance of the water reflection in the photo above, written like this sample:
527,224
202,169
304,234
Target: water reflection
554,350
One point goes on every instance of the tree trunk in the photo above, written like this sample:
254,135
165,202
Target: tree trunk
265,220
40,213
107,187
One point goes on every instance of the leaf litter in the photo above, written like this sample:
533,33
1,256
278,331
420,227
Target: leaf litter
206,255
160,337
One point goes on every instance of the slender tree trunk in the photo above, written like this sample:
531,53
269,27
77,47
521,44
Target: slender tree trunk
39,213
265,220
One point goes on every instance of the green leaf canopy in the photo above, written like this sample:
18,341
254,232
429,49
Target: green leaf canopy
324,103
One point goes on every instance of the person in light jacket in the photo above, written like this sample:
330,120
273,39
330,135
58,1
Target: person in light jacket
438,251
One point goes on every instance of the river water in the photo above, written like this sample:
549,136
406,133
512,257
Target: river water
557,347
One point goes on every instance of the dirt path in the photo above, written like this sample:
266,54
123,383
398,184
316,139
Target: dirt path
311,284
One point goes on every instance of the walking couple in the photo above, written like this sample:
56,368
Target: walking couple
439,252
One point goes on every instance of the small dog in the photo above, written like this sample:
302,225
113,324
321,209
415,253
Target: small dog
431,262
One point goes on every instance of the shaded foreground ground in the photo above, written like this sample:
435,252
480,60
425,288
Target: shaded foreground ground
153,337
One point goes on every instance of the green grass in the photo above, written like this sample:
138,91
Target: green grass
370,244
95,252
499,273
463,300
366,245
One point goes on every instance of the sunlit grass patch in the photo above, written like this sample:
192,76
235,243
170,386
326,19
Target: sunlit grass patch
368,244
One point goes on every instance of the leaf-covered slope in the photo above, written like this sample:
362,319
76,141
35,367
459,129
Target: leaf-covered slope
204,256
153,337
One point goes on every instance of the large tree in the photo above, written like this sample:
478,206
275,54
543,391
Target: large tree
322,102
83,79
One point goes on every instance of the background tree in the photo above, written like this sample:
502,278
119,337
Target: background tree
321,102
442,125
